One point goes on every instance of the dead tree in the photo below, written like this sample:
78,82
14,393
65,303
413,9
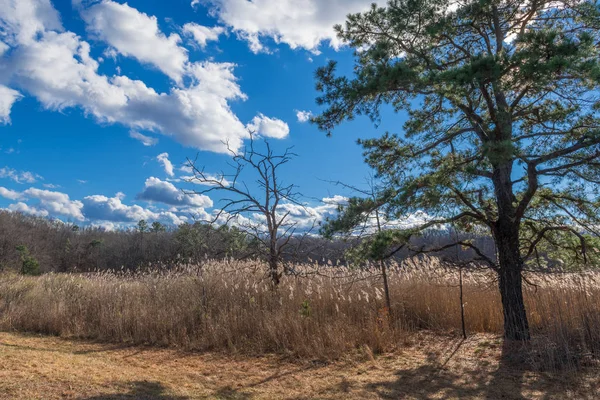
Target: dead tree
263,211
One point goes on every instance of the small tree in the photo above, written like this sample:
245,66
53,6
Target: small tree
157,227
262,213
29,265
364,219
503,128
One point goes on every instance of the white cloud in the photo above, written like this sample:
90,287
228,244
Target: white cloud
60,73
163,192
56,203
29,210
105,226
56,67
212,177
166,163
135,34
269,127
99,210
3,47
145,140
19,176
10,194
203,34
299,24
304,116
8,97
306,218
186,168
22,20
112,209
49,203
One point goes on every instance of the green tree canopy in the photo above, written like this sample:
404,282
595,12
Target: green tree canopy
503,128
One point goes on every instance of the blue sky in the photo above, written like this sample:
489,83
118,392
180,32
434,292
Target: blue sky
95,95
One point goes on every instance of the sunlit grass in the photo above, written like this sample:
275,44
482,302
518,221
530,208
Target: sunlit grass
325,312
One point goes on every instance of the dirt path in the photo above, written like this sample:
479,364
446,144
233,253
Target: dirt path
33,367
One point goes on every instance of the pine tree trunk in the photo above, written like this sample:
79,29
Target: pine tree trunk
506,236
510,279
516,325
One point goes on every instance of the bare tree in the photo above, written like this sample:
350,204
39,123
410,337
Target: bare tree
262,212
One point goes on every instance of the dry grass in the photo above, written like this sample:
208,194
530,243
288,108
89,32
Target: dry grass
326,314
429,367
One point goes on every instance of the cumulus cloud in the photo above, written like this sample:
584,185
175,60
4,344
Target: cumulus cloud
269,127
29,210
303,116
21,21
48,203
135,34
158,191
56,203
8,97
112,209
56,67
19,176
10,194
299,24
59,71
166,163
203,34
145,140
306,217
96,210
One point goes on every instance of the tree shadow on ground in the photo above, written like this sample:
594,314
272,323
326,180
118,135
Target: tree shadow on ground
141,390
513,379
228,392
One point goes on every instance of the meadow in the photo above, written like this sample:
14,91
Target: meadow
320,313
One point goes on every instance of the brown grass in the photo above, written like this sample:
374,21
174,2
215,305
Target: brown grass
428,367
325,314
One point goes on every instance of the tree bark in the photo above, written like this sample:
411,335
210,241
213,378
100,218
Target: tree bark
516,325
274,266
510,268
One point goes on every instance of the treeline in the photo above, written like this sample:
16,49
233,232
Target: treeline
57,246
37,245
63,247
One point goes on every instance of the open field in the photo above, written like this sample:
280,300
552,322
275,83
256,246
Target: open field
428,367
325,314
219,331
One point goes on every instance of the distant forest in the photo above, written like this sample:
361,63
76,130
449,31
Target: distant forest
57,246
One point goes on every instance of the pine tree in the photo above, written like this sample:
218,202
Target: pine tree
503,128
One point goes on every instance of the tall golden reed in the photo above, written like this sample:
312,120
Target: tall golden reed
324,312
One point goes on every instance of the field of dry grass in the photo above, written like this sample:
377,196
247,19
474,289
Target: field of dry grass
219,330
427,367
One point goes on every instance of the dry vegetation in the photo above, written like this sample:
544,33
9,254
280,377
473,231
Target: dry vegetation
326,313
428,367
